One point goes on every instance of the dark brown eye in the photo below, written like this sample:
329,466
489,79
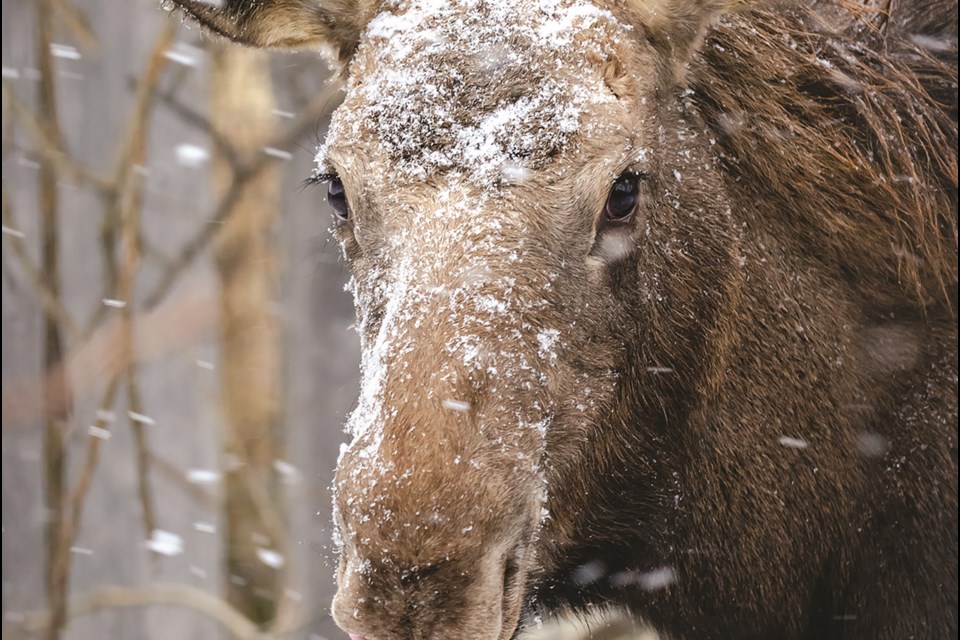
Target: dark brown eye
623,198
337,198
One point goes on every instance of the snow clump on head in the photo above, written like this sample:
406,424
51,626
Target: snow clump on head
477,88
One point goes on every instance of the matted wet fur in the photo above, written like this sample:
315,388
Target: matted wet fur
733,411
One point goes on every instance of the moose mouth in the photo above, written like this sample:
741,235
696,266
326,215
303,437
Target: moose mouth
433,554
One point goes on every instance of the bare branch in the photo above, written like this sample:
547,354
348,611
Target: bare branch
320,106
134,147
153,252
241,105
180,595
198,121
126,197
166,329
177,477
198,243
129,177
78,25
127,204
287,614
54,441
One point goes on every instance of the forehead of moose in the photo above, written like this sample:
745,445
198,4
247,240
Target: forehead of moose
486,89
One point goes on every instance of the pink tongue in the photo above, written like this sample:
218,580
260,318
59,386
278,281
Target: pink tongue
354,636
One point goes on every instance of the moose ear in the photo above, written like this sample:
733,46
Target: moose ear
677,27
286,24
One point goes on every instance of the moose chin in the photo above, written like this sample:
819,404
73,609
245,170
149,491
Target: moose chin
657,302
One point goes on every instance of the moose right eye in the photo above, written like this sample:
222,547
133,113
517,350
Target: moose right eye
337,198
623,197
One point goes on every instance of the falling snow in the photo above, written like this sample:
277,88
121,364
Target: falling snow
98,432
205,527
872,445
456,405
288,472
64,51
184,54
589,573
141,418
793,443
191,155
203,476
279,154
271,558
165,543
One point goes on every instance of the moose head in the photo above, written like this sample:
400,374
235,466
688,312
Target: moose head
547,270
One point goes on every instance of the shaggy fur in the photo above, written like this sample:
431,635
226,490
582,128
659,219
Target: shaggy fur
734,413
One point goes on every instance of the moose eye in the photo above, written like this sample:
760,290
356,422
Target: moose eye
623,198
337,198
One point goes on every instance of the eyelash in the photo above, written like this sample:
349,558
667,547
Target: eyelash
320,178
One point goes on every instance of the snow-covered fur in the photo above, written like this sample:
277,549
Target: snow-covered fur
731,408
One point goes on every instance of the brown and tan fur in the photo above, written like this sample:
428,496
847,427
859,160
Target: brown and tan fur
756,399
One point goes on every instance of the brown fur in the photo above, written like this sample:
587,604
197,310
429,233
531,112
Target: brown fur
753,388
286,24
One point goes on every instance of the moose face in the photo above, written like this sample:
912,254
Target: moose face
507,181
494,169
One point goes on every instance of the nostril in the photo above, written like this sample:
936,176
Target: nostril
510,570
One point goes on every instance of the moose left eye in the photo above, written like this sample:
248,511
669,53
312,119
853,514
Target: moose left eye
623,198
337,198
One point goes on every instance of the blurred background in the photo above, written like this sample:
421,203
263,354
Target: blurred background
178,356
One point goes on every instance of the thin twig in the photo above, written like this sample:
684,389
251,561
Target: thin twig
48,147
129,176
51,303
153,252
108,250
143,453
78,495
